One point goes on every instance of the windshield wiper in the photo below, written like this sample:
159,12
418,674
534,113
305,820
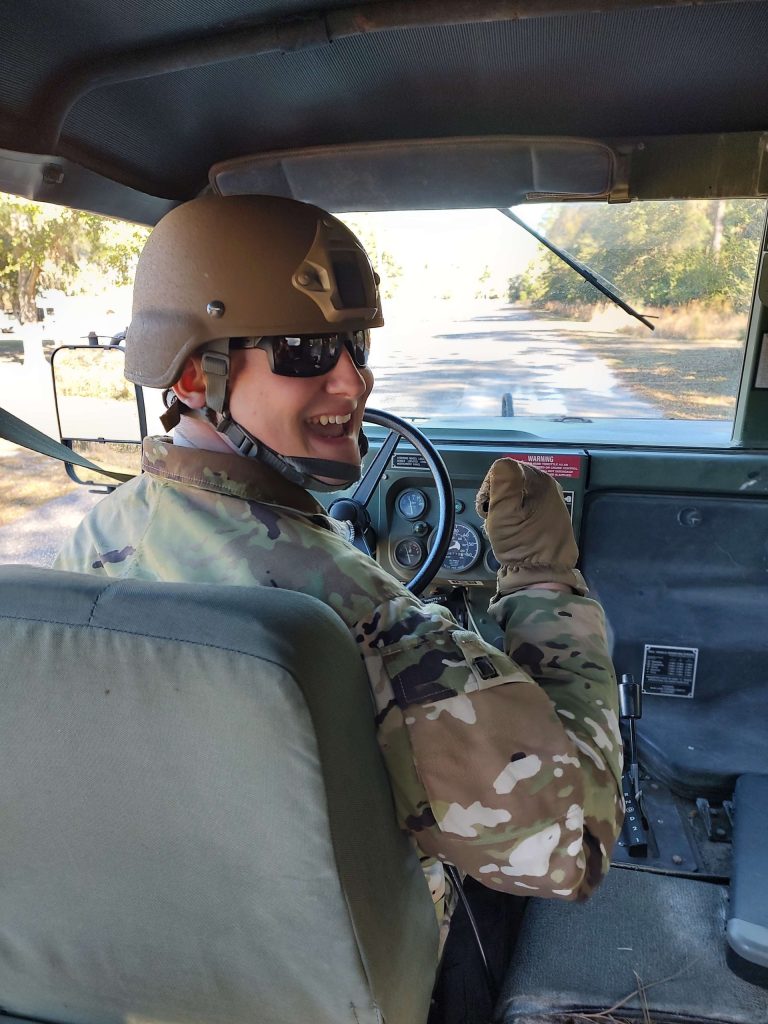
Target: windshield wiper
589,275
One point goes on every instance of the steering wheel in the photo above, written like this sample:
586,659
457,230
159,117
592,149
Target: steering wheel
353,509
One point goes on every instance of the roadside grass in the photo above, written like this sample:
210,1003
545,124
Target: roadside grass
688,367
692,379
27,481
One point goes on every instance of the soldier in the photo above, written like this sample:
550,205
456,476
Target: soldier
256,312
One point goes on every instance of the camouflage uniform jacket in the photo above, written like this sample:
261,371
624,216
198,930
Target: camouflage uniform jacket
506,766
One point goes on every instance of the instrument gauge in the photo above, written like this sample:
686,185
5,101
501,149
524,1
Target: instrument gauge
464,551
409,553
412,503
491,561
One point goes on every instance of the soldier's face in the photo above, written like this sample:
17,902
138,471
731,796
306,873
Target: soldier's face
302,417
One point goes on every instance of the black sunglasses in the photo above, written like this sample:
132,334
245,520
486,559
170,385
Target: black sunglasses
309,355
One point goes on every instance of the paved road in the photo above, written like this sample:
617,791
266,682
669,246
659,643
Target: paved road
37,537
463,366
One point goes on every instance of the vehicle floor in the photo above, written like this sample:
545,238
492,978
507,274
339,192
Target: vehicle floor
461,994
650,946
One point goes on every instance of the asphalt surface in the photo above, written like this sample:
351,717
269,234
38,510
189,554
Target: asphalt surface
36,538
466,364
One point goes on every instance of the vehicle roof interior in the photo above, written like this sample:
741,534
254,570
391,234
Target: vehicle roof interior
148,97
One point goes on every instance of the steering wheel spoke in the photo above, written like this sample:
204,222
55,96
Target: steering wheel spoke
373,474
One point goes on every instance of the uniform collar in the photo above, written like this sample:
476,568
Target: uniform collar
224,473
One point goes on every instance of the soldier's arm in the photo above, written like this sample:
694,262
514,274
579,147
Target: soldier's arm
513,779
560,639
78,553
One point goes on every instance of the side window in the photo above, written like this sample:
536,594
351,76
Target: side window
65,278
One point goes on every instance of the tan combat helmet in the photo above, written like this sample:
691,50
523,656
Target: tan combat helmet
243,266
221,267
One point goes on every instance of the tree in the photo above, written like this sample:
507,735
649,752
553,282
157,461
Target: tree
656,254
45,246
483,286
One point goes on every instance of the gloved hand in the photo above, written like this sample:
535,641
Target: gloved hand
527,523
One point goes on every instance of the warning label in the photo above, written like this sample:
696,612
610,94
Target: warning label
555,465
669,671
409,461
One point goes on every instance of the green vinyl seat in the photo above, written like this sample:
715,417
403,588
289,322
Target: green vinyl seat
195,821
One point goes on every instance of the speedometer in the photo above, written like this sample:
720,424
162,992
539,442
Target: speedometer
464,551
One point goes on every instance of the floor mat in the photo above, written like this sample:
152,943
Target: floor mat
660,934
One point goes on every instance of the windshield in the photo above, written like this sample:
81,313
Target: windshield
485,327
482,321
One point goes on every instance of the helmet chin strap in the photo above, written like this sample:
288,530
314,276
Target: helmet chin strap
304,472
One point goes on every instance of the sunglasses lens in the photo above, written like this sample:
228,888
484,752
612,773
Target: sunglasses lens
304,356
360,347
308,355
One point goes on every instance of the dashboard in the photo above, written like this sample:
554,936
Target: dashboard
404,513
407,512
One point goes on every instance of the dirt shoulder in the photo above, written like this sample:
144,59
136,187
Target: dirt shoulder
689,366
27,481
685,379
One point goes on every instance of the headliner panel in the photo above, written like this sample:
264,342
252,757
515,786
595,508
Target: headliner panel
625,73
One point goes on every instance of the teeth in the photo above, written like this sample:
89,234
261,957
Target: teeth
325,420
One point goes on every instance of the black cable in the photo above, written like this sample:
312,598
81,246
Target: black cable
453,874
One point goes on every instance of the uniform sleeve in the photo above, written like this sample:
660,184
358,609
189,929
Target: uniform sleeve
78,553
82,553
507,766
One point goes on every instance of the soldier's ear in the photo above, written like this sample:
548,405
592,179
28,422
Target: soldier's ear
190,387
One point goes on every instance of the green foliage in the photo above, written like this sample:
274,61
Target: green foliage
51,247
485,287
655,254
523,287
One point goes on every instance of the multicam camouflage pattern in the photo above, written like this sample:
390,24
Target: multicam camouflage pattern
507,766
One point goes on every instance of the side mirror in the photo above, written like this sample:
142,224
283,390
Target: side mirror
100,414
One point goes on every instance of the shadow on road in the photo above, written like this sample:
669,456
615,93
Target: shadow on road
552,367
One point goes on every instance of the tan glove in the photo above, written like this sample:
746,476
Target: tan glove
527,523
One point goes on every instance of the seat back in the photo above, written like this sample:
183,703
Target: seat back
196,825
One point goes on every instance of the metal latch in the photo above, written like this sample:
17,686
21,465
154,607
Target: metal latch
718,821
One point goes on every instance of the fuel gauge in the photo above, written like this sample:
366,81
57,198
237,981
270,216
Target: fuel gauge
412,503
409,553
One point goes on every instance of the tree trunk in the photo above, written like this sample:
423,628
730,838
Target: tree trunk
26,296
717,231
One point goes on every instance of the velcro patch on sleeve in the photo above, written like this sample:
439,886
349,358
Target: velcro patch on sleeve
432,669
418,675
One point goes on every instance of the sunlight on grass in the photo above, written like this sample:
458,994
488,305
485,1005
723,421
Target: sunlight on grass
697,379
27,481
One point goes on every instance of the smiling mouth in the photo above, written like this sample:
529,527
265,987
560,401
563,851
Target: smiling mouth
330,427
